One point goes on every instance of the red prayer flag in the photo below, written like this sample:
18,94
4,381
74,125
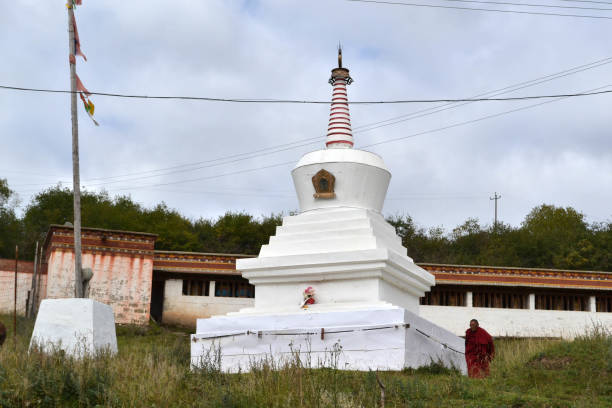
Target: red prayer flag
81,87
76,39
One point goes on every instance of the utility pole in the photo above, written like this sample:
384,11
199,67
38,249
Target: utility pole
40,256
30,311
76,178
15,294
495,197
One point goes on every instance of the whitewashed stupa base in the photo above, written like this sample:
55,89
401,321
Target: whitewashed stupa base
79,327
388,338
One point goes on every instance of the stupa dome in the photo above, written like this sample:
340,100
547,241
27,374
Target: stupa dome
361,179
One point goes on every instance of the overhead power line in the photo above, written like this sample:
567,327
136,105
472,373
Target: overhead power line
224,159
196,168
504,3
210,177
375,125
440,129
313,140
378,124
495,115
364,146
297,101
587,1
535,13
440,108
178,169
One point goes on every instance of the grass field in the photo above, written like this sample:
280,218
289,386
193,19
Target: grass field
152,370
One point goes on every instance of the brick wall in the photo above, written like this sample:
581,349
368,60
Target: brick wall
25,271
122,264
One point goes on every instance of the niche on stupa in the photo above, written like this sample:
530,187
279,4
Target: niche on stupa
323,183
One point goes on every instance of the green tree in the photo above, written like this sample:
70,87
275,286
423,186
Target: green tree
231,233
501,246
412,235
549,237
468,241
423,246
242,233
175,232
10,227
204,229
55,206
555,237
51,206
601,238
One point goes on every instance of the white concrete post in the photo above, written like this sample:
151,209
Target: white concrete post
532,301
592,304
469,302
211,289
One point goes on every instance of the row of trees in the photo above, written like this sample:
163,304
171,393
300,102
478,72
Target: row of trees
549,236
231,233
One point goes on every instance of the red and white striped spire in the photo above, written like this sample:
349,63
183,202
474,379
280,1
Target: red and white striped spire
339,132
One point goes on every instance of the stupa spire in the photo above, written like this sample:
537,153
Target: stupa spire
339,132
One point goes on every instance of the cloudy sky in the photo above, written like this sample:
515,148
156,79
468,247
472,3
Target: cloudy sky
205,158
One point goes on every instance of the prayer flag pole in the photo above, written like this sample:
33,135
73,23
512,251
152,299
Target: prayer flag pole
76,178
15,293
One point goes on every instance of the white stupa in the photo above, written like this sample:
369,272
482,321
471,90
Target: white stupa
366,288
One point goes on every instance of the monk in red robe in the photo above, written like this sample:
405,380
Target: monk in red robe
479,350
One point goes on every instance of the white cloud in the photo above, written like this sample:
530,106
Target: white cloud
557,153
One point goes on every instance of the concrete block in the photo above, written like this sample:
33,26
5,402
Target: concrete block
79,327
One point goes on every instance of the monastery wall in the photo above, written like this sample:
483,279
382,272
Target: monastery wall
191,280
25,272
517,322
123,282
184,310
122,265
7,294
456,281
520,302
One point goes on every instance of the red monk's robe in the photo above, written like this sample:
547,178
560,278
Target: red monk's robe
479,351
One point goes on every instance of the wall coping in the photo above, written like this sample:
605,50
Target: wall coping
433,266
8,265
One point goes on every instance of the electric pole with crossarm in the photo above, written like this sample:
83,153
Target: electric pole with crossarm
495,197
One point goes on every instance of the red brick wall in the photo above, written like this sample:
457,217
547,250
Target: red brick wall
122,264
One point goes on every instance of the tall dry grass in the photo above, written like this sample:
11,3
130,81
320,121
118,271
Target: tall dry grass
152,370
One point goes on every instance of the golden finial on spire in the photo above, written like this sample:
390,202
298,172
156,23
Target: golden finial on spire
339,71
